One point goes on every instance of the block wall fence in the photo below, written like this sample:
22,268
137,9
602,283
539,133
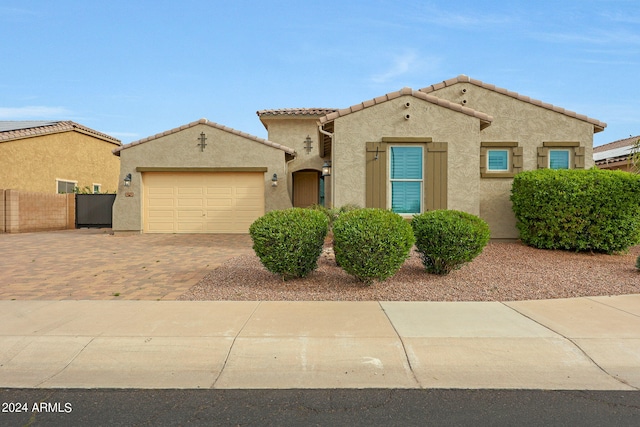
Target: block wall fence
23,212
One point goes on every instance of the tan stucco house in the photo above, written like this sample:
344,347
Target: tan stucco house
455,145
616,155
57,157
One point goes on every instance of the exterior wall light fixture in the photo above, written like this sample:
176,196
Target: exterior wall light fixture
326,168
127,180
274,180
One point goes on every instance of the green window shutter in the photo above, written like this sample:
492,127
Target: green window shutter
436,176
542,158
517,159
376,175
578,158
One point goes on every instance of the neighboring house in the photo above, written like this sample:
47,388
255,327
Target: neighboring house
616,155
454,145
56,157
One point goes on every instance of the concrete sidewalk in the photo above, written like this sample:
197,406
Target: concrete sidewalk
582,343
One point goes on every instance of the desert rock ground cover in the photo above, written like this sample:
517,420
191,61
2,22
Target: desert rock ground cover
503,272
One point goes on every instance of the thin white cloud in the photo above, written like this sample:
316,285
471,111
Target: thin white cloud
614,38
15,11
32,112
400,65
622,18
466,21
404,65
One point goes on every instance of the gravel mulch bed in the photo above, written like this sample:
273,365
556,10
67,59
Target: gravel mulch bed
503,272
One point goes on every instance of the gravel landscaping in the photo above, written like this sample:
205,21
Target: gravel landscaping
503,272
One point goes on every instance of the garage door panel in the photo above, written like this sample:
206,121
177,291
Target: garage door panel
189,214
225,191
192,202
160,227
161,203
190,227
188,202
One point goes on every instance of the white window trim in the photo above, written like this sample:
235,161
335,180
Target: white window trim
75,184
390,180
509,161
566,150
93,188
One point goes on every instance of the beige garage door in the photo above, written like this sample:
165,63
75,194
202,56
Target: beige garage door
195,202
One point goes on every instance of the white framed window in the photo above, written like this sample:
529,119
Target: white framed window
559,159
66,186
498,160
406,180
96,188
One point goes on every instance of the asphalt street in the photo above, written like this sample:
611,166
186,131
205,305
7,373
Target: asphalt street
318,407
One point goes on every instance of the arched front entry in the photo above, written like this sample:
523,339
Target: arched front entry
307,188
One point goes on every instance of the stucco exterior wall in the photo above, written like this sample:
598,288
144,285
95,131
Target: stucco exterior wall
180,150
34,164
427,120
520,121
515,121
292,132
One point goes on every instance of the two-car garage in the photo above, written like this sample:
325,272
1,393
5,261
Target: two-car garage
199,178
201,202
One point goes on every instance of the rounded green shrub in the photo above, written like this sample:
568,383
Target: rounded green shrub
448,239
371,244
582,210
289,242
638,263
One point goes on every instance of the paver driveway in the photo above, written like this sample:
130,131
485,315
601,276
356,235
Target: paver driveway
94,264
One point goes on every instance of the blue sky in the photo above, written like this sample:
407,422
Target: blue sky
136,68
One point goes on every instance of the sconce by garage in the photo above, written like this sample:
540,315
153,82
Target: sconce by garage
127,180
326,168
274,180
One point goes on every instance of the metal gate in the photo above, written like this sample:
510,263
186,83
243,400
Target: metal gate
94,210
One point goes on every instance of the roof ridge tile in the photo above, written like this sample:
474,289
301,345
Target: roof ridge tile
204,121
55,127
598,125
406,91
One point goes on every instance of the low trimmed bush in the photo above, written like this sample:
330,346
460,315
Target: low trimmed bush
371,244
289,242
448,239
582,210
638,263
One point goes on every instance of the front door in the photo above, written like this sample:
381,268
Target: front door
306,188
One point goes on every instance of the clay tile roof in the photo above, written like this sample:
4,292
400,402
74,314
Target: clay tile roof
621,143
14,130
295,112
406,91
597,124
284,148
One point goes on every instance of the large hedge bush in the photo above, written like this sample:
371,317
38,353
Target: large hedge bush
582,210
448,239
289,242
371,244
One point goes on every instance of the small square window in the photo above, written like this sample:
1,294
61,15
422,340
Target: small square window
558,159
498,160
96,188
65,186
